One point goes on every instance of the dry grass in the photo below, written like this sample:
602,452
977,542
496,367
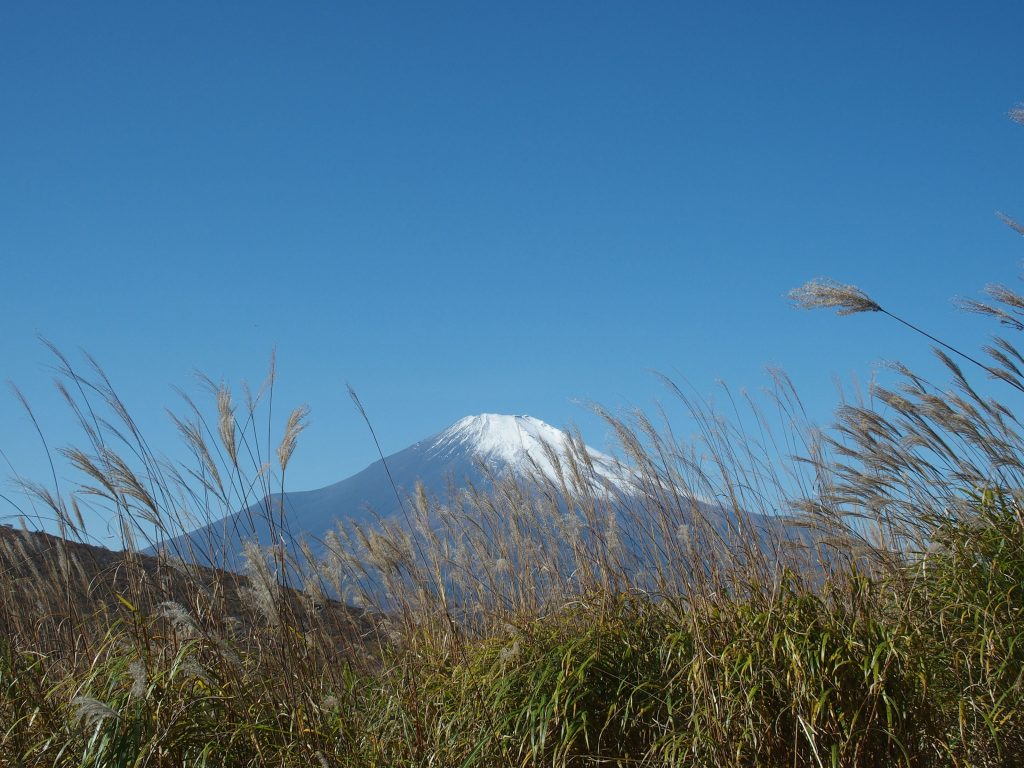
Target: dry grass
765,594
547,621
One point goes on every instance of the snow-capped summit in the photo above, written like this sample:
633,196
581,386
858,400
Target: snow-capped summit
494,434
516,444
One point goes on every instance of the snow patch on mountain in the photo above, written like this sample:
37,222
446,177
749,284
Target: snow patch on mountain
518,444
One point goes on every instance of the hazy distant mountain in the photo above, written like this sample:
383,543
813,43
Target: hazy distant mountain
501,444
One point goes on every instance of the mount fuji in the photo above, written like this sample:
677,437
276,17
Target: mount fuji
469,451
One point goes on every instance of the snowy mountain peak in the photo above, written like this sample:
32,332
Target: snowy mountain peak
498,436
516,442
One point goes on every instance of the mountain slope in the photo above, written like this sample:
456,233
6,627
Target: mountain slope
463,453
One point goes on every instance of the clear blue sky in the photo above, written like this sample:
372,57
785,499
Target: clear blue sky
511,207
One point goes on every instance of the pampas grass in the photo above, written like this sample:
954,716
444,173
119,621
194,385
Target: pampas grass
765,593
847,597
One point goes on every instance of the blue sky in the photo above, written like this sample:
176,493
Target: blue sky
510,207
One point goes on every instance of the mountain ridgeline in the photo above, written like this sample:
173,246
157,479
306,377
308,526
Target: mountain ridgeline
474,450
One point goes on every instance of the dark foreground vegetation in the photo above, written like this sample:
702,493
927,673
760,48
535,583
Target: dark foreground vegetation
555,622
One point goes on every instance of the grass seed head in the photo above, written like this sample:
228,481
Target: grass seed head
90,711
824,293
296,423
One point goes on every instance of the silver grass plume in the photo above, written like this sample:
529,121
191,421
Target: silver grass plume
226,422
1011,222
262,592
178,616
824,293
90,710
999,294
296,423
137,673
